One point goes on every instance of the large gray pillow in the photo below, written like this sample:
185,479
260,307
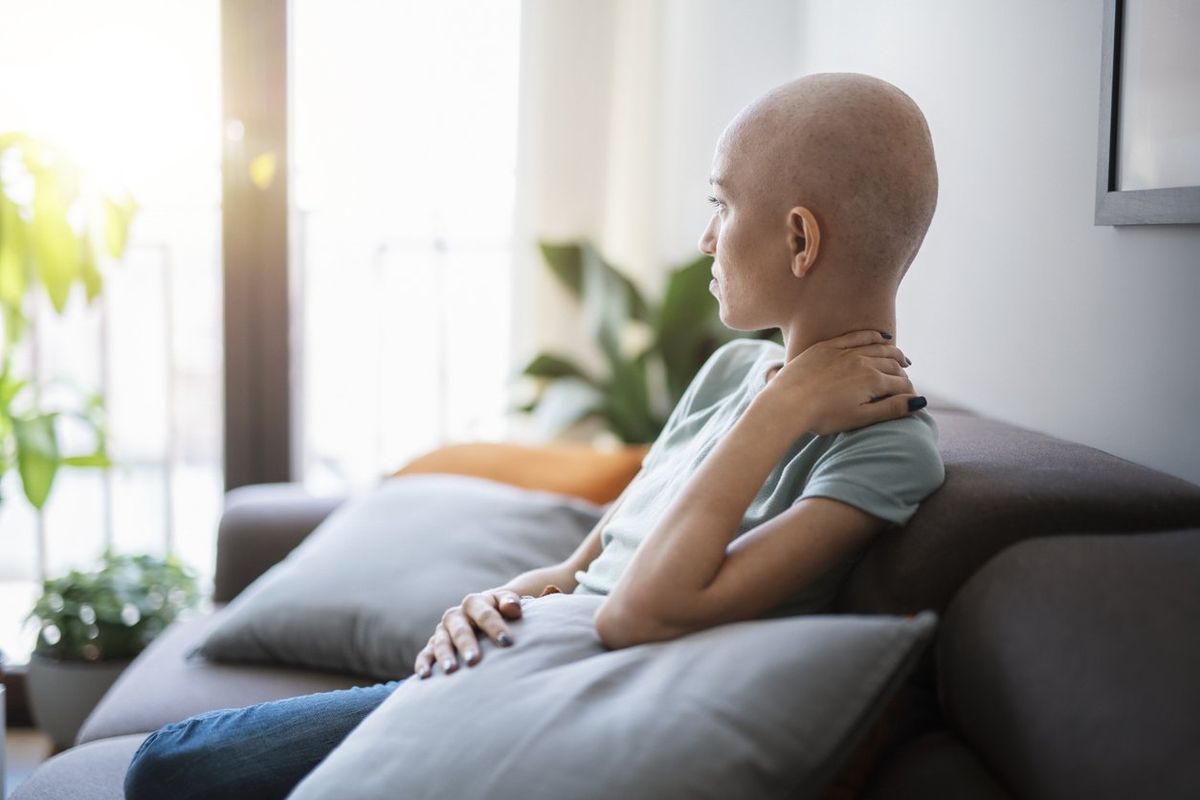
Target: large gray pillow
363,592
767,708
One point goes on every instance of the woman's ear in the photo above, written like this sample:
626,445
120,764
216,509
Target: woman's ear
804,239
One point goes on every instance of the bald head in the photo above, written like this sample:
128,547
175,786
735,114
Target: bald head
855,151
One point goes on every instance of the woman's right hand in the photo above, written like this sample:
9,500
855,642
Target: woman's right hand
455,633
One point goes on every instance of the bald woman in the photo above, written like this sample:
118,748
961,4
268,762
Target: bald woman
774,472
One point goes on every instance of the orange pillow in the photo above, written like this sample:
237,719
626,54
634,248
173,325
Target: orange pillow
572,468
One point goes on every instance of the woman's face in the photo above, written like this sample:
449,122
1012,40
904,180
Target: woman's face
748,246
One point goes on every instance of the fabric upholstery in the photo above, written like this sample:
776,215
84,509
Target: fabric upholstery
759,708
363,593
162,686
1071,665
571,468
1004,484
260,525
94,771
937,765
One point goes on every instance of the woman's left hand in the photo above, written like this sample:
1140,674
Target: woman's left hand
840,384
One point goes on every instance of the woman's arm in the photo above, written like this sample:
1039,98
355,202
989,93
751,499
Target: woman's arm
562,574
685,575
487,610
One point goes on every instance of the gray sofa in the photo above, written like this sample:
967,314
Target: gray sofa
1065,663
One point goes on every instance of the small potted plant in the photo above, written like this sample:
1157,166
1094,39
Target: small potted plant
92,624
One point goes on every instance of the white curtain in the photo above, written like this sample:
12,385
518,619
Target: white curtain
621,104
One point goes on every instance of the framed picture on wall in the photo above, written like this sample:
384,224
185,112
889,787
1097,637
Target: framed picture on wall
1148,161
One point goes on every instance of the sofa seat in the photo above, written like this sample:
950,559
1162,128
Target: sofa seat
162,686
93,771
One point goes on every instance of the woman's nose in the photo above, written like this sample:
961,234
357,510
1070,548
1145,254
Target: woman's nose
708,239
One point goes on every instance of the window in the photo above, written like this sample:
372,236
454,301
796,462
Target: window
131,88
404,154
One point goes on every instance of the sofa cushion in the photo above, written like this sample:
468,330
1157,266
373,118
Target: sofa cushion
363,593
573,468
759,708
161,686
938,764
260,524
1004,484
1070,665
93,771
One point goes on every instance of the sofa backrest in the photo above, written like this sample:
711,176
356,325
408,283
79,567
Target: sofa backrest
1005,484
1069,664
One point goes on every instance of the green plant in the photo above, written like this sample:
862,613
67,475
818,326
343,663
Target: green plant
55,231
641,342
114,611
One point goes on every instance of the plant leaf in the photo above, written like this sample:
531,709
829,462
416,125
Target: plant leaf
563,403
55,247
117,219
89,460
13,265
37,455
568,261
548,365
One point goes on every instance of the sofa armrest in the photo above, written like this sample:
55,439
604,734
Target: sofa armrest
260,525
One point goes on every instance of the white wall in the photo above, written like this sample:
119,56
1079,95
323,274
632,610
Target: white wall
1018,306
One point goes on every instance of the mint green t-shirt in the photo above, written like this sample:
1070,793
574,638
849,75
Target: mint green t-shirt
885,469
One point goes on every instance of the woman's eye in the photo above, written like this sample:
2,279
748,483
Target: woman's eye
714,201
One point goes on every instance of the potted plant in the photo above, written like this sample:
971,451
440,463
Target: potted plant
91,625
652,350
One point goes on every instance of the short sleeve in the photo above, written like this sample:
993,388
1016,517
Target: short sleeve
885,469
688,401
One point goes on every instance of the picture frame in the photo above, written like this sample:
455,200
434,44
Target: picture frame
1115,205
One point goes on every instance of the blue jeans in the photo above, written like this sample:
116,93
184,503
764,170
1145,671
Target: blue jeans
260,751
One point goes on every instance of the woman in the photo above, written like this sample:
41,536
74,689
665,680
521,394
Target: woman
776,468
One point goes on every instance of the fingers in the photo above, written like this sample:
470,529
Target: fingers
455,633
510,604
895,384
888,366
424,659
892,407
482,610
443,650
462,633
884,351
860,338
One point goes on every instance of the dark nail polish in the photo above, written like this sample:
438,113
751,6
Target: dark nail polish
469,656
505,639
909,360
916,402
885,334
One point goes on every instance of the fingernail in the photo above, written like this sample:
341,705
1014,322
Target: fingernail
425,672
916,402
469,656
885,334
447,664
909,360
505,639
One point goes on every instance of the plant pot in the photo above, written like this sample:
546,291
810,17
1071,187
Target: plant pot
63,693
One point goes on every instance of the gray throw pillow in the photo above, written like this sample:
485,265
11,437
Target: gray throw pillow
363,592
765,708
